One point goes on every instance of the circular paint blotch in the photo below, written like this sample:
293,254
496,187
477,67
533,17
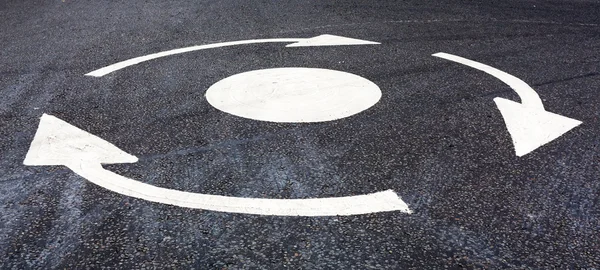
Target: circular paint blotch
293,95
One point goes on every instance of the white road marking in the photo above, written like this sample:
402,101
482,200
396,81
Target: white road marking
330,40
529,124
529,97
531,128
58,143
322,40
293,95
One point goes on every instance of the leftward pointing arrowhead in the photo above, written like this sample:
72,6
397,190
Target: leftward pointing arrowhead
330,40
531,128
57,142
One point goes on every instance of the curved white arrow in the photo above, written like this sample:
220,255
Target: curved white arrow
528,123
322,40
56,142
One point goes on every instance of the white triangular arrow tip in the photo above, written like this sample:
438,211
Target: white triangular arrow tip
330,40
57,142
531,128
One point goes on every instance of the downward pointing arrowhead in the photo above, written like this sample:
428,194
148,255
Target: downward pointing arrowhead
330,40
57,142
531,128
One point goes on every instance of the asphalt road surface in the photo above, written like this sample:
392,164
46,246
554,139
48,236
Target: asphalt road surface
436,137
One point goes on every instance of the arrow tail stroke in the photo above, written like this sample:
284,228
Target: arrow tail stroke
338,206
322,40
529,97
529,124
58,143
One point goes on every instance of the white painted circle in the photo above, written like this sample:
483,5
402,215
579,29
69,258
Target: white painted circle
293,95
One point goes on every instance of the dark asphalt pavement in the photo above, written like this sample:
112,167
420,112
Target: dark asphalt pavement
435,137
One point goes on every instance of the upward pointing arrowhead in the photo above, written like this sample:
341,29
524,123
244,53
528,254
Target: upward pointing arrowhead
330,40
57,142
531,128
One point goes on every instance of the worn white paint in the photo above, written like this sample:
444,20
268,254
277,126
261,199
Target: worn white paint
529,124
293,95
59,143
322,40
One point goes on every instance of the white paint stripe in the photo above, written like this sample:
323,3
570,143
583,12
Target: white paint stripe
352,205
529,98
133,61
56,142
322,40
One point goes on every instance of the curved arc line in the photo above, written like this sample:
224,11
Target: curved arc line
133,61
383,201
529,98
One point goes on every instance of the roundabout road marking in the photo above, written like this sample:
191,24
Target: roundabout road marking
528,123
56,142
279,95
